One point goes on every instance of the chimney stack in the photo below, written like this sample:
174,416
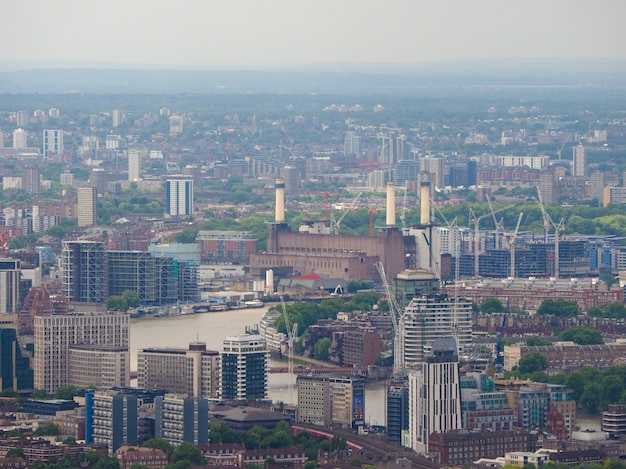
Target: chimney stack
425,202
280,201
391,204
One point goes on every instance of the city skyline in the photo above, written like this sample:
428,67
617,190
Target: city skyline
243,33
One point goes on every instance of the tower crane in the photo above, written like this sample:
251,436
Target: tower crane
498,224
513,244
292,334
560,149
544,215
397,321
336,223
476,220
557,230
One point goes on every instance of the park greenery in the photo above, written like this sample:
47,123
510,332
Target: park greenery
128,299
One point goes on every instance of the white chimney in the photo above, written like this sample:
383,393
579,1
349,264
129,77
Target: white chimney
425,202
391,204
280,201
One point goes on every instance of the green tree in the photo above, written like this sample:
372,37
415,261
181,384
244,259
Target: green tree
321,348
159,443
310,465
131,297
136,465
117,303
66,392
558,307
9,392
536,341
491,305
47,428
582,335
15,453
188,452
591,400
221,433
39,394
532,363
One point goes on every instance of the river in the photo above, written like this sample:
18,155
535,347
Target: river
212,328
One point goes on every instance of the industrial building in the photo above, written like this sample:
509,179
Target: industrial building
340,256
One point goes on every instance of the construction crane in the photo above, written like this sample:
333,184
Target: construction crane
544,215
292,335
476,220
498,224
513,244
397,321
557,231
560,149
334,224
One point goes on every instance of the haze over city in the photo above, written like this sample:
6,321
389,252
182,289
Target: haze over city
247,33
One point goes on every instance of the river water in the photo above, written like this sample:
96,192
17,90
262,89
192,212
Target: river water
212,328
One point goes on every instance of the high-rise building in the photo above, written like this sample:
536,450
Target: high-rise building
31,179
1,139
117,117
579,160
180,262
87,206
193,372
10,276
548,187
56,334
20,139
428,318
351,144
434,395
179,196
111,419
244,367
52,142
331,400
179,418
15,370
397,415
84,271
134,165
22,118
176,124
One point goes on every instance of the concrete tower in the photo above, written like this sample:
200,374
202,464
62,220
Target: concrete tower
391,204
425,202
280,201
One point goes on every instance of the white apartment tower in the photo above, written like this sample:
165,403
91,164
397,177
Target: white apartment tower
434,395
179,195
56,335
19,138
52,142
134,164
579,160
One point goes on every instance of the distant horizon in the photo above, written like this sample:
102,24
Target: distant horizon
25,65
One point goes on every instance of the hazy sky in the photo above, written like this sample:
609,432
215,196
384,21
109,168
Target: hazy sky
240,33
